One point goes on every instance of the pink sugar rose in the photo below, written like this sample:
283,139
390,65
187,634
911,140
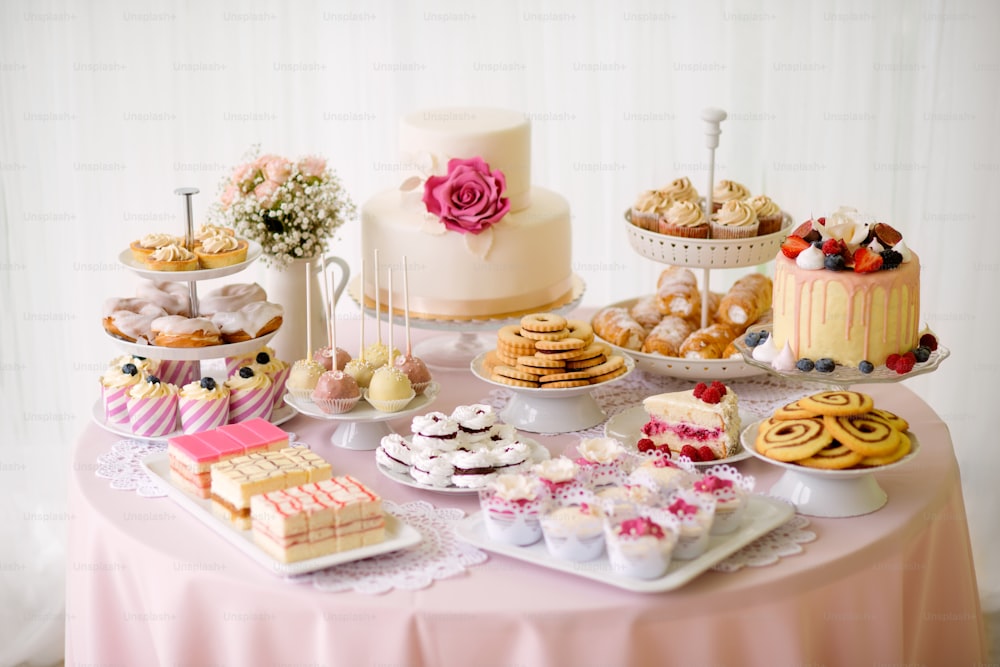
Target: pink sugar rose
312,167
469,199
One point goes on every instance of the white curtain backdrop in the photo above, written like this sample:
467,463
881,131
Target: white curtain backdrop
107,106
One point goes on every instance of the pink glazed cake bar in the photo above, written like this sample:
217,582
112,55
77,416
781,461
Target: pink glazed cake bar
314,520
191,456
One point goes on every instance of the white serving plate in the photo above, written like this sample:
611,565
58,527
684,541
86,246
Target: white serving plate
626,426
128,261
278,417
828,493
551,410
195,353
398,535
406,480
762,515
688,369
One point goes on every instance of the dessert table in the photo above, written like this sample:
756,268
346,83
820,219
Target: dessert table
148,584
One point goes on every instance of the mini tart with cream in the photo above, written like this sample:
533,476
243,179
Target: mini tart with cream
208,231
215,252
144,247
172,257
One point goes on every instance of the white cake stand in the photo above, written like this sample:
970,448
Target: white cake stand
363,427
828,493
475,336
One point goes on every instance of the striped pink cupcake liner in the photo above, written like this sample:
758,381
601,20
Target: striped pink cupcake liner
177,372
278,380
233,365
115,404
199,416
250,404
152,417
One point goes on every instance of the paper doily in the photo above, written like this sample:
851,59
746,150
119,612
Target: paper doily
122,465
439,555
785,540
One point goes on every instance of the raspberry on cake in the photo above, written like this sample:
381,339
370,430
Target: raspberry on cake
706,416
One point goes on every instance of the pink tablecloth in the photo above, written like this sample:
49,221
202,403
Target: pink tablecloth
149,585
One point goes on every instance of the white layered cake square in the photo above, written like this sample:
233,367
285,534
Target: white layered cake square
704,417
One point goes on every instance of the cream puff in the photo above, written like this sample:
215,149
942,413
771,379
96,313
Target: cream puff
178,331
251,321
130,319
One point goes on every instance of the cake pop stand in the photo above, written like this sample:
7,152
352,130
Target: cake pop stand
550,410
842,377
828,493
363,427
475,336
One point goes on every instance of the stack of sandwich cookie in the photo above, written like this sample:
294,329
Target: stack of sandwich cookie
834,430
551,352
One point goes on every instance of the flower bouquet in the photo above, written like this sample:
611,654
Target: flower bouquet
290,208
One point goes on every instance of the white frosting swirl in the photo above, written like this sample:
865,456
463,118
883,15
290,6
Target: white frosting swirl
475,458
172,252
476,417
195,392
219,243
556,470
153,241
513,487
256,381
147,389
600,450
765,352
811,259
434,424
736,213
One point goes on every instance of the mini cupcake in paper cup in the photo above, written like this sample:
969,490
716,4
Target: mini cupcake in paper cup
726,191
684,219
695,513
604,460
735,220
336,392
115,385
178,372
574,532
662,475
250,395
649,209
623,501
152,408
769,216
203,405
512,506
565,481
680,189
277,370
639,546
731,489
302,378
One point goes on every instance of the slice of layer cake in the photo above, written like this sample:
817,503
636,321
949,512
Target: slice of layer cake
191,456
706,416
318,519
236,480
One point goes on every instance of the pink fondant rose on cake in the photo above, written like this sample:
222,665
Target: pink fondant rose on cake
469,198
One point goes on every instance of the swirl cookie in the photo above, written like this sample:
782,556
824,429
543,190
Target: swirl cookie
838,403
792,411
892,419
792,440
866,435
836,457
905,446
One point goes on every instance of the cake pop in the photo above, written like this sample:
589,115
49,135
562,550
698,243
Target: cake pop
336,392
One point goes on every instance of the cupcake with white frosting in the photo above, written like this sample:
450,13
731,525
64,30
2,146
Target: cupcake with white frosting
574,532
695,513
731,490
639,546
604,459
512,505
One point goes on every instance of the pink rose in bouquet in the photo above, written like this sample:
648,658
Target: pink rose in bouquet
469,198
265,193
312,167
277,169
243,173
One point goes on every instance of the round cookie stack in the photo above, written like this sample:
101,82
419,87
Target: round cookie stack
834,430
548,351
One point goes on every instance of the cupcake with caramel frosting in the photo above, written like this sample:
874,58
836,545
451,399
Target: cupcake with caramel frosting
768,214
735,220
680,189
650,208
727,191
685,219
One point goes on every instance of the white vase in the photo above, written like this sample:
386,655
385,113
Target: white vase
288,287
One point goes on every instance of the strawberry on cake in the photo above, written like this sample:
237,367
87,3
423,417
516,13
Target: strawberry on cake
701,423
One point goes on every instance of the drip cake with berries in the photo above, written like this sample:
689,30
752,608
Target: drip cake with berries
701,423
846,292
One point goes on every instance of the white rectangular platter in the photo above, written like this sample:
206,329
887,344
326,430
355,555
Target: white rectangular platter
763,514
398,535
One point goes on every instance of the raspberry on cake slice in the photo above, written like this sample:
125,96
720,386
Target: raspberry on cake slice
699,418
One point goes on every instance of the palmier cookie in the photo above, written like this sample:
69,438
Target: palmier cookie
580,329
545,335
543,322
904,448
837,403
559,345
868,436
561,377
793,411
534,361
792,440
503,379
510,338
839,457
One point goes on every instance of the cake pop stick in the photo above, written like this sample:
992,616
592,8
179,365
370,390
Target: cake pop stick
406,308
324,292
332,315
309,346
378,307
391,327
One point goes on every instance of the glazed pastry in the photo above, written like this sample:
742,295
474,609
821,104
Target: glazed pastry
230,298
174,298
144,247
615,325
172,257
746,301
708,343
221,250
677,291
251,321
667,336
646,311
178,331
130,319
